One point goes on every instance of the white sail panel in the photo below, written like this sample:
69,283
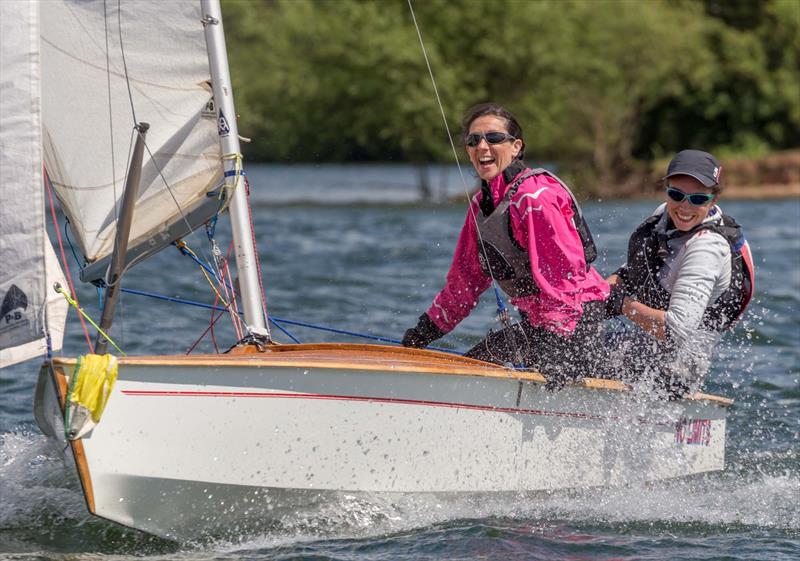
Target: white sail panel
28,262
103,63
55,315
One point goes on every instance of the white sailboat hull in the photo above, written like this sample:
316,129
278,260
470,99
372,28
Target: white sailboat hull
188,446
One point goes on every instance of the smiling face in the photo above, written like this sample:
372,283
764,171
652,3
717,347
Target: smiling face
489,160
684,215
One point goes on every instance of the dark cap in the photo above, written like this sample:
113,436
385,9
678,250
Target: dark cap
695,163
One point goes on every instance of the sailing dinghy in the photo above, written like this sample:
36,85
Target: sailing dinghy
207,444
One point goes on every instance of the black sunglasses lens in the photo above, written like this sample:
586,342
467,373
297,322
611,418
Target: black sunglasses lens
474,139
675,195
495,137
699,200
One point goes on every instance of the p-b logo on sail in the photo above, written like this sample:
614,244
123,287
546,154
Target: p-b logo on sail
15,302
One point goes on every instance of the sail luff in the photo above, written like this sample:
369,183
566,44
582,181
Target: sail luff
246,259
28,265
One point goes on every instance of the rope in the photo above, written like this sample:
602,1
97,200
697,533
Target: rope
230,302
60,289
236,320
276,320
64,255
181,245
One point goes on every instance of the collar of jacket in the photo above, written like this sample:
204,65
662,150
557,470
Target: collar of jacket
512,170
666,228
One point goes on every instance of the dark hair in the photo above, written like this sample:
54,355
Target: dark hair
514,129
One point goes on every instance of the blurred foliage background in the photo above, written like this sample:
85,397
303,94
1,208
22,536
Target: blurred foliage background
602,88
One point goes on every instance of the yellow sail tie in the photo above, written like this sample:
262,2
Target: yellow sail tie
94,379
90,387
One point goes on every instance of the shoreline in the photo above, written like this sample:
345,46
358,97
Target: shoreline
766,191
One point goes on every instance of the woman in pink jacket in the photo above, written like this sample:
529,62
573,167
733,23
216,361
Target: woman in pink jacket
525,230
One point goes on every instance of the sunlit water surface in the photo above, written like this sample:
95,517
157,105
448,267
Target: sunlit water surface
351,248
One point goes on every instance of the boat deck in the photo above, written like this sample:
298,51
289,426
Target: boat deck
366,357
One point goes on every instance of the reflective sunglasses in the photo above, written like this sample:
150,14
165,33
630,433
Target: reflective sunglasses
695,199
474,139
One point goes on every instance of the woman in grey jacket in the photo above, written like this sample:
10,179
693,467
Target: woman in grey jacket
687,279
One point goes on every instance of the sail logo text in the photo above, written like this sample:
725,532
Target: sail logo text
13,301
693,431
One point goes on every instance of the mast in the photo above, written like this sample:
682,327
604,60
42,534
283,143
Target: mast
246,262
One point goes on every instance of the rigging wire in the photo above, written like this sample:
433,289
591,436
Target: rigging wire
64,255
124,62
237,171
502,311
147,147
110,110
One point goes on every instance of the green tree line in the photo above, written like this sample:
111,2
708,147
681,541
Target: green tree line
601,87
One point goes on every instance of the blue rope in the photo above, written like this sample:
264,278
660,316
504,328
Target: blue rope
69,241
276,320
285,331
211,227
199,305
208,269
501,306
355,334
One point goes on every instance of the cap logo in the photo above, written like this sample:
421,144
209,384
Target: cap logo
717,170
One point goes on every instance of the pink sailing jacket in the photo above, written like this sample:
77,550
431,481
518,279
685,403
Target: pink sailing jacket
541,222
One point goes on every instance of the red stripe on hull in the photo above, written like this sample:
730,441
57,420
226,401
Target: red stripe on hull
279,395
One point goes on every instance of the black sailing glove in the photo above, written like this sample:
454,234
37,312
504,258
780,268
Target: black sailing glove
425,333
615,299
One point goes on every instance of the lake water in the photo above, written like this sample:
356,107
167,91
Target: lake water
352,248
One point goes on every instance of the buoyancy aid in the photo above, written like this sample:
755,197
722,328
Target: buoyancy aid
648,248
501,256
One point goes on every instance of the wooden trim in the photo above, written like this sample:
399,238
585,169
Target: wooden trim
369,358
78,452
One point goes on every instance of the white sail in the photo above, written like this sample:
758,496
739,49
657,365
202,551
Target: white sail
29,308
105,66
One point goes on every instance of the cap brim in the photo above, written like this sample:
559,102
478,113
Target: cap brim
706,181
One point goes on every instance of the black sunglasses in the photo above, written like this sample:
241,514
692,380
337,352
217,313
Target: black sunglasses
472,140
696,199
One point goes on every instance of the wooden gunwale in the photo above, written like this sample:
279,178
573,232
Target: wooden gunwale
78,452
366,357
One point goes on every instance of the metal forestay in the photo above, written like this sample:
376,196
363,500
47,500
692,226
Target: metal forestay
503,315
